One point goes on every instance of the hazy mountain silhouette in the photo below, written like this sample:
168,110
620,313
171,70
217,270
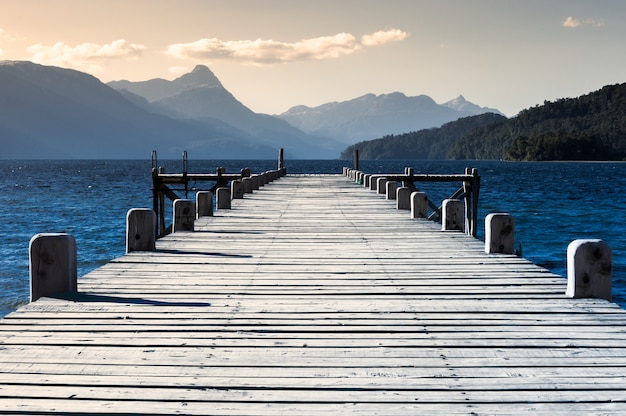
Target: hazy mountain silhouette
200,96
51,112
371,116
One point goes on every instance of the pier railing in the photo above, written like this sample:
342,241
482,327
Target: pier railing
166,185
468,192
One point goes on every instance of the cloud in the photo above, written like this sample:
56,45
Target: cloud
178,70
264,52
383,37
86,55
573,23
6,36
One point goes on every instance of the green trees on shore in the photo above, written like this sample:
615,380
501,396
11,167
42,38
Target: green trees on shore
590,127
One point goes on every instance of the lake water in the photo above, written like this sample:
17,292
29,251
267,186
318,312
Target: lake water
553,204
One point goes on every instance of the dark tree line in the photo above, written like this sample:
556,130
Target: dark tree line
590,127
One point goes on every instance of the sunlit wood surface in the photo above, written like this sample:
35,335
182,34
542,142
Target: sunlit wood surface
316,296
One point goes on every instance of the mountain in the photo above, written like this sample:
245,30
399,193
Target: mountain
461,105
200,97
426,144
588,127
371,116
51,112
158,88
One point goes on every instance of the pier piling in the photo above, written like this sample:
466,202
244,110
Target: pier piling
184,215
204,204
499,233
52,264
589,269
140,229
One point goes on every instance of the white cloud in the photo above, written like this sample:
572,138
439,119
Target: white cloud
86,56
5,36
262,51
383,37
573,23
178,70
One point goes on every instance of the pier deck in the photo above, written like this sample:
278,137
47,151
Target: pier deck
315,296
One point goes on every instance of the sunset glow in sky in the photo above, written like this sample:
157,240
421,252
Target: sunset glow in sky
275,54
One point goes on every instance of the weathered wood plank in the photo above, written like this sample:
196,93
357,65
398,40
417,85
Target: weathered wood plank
314,295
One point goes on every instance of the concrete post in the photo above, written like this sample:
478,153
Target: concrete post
589,269
419,205
184,215
391,188
499,233
403,198
236,190
223,198
52,265
140,230
366,180
453,215
204,204
381,186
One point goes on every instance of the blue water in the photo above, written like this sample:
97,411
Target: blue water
553,204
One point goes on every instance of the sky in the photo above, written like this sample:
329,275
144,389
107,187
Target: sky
275,54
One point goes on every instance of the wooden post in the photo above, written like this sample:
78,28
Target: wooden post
356,159
281,159
236,190
419,205
373,183
499,233
475,192
204,204
390,190
453,215
140,229
52,264
403,198
247,185
589,269
184,215
381,186
223,198
255,182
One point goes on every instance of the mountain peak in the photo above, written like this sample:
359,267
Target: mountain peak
461,104
201,76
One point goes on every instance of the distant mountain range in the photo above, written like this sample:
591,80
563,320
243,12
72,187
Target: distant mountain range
589,127
51,112
372,116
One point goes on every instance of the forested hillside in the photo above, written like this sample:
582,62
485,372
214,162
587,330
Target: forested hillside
424,144
590,127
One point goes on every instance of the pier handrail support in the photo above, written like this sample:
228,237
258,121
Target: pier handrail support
163,186
468,192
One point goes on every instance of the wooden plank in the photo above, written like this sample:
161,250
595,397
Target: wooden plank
314,295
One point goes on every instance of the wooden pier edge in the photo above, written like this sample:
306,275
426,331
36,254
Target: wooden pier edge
315,296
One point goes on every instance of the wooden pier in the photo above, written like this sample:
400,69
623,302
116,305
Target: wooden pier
315,296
